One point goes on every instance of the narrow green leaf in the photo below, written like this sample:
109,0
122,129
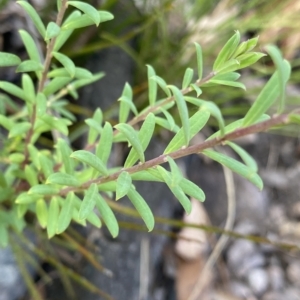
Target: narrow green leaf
169,118
46,164
3,182
19,129
246,47
123,185
56,123
228,83
56,84
84,20
144,135
125,100
294,118
41,211
107,216
31,175
65,216
9,60
66,62
29,66
4,240
235,166
12,89
83,82
231,76
95,126
31,47
94,220
188,77
41,104
89,201
133,139
52,219
103,149
6,122
26,198
63,179
90,159
52,31
142,207
227,51
163,85
249,59
244,155
28,88
196,88
199,60
197,122
152,85
16,158
43,189
166,124
266,97
183,112
33,155
88,9
34,17
65,152
80,73
176,175
192,189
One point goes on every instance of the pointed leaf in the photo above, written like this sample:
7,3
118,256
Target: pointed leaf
41,211
6,122
12,89
30,46
88,9
142,207
199,61
31,175
9,60
53,213
107,216
43,189
166,124
52,31
90,159
192,189
103,149
196,88
228,83
66,62
123,185
163,85
19,129
188,77
125,100
235,166
28,88
152,85
65,153
65,216
63,179
95,126
29,66
26,198
246,47
41,104
56,84
176,175
89,201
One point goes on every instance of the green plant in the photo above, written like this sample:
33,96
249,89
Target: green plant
59,185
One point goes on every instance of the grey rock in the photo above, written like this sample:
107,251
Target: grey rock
274,296
291,293
247,227
276,277
293,273
239,289
258,280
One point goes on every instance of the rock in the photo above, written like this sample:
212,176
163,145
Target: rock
239,289
273,296
276,277
258,281
247,227
293,273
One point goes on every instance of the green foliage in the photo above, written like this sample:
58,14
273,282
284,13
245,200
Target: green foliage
60,185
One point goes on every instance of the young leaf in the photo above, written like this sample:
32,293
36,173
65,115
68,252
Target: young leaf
152,85
43,189
133,139
231,76
29,66
28,88
31,175
66,62
88,202
199,61
103,149
95,126
19,129
183,112
80,73
197,122
65,152
107,216
25,198
34,17
244,155
88,9
196,88
41,104
246,47
235,166
6,122
56,84
12,89
225,82
142,207
144,136
90,159
163,85
83,82
53,214
227,51
60,125
46,164
65,216
188,77
266,97
123,185
41,211
52,31
9,60
126,103
192,189
63,179
30,46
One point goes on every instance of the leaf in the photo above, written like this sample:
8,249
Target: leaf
66,62
31,175
89,201
192,189
43,189
183,112
188,77
103,149
107,216
88,9
123,185
176,190
28,88
199,61
84,20
9,60
176,175
144,136
4,240
65,216
142,207
46,164
56,123
34,17
41,104
294,118
16,158
6,122
231,76
31,47
56,84
197,122
163,85
52,219
65,152
52,31
19,129
41,211
133,139
227,51
95,126
228,83
90,159
12,89
29,66
235,166
196,88
245,47
63,179
80,73
26,198
169,118
94,220
244,155
83,82
283,73
126,103
33,155
266,97
165,124
152,85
